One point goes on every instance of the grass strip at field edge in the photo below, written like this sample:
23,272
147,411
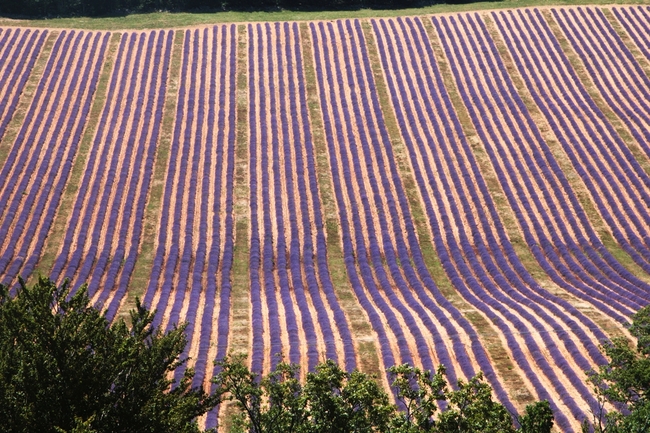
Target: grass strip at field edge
144,263
166,20
26,98
56,235
366,350
609,326
489,337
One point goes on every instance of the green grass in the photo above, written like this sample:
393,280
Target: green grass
240,272
240,276
184,19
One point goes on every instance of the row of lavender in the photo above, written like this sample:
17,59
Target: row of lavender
547,209
412,319
103,233
190,279
39,161
467,231
288,267
294,308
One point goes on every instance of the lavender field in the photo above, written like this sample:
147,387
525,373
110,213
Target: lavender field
469,189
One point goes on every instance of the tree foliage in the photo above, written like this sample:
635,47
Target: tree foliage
65,368
334,400
625,381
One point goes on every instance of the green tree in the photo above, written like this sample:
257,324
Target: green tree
65,368
333,400
624,382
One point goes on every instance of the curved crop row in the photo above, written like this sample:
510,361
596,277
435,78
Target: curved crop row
34,175
103,234
413,321
190,279
636,22
294,308
617,183
549,339
611,66
18,51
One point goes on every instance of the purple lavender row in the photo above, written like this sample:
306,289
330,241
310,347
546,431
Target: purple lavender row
166,261
420,273
294,264
422,304
19,155
106,267
192,265
591,261
410,280
81,212
108,169
614,151
629,241
309,250
564,274
226,115
192,147
595,256
324,74
475,96
15,76
257,320
78,207
76,136
75,112
507,272
155,123
616,73
159,270
274,327
636,21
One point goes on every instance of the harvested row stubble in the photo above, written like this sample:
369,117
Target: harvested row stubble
36,170
413,321
469,236
294,308
190,279
103,234
614,178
